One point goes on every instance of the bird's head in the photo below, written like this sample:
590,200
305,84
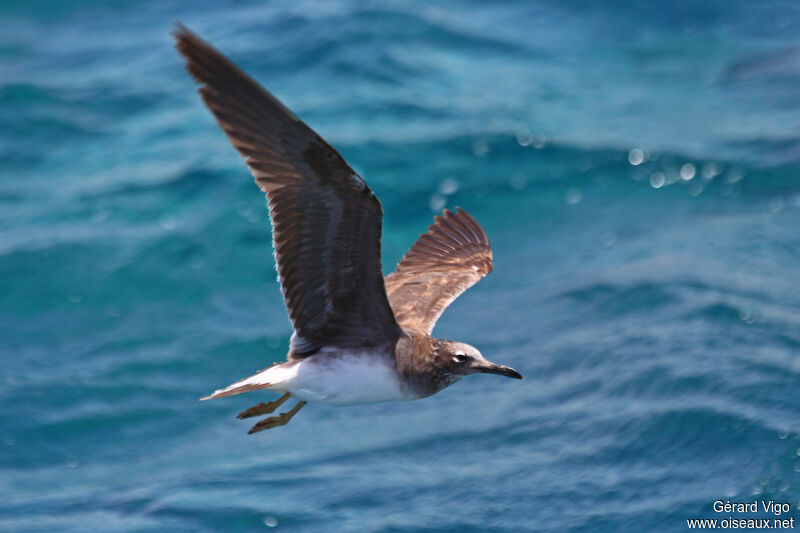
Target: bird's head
459,359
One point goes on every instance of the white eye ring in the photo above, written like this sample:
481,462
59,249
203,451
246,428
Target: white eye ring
460,358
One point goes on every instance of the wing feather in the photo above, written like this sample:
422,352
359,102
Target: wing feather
326,221
450,258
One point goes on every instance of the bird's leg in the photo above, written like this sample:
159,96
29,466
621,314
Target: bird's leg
263,408
275,421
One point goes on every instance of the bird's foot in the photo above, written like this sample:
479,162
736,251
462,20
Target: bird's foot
263,408
276,421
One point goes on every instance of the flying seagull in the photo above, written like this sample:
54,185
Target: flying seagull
358,337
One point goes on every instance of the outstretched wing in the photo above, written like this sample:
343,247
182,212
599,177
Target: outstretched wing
326,220
443,263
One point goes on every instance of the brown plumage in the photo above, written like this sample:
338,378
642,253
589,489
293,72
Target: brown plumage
357,337
326,220
452,257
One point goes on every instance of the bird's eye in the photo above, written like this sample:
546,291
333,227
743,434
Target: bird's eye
460,358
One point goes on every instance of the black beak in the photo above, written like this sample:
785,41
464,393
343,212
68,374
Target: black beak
501,370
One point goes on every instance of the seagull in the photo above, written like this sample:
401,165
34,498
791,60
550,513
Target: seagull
359,337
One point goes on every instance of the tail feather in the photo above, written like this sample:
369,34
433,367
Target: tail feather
236,388
254,382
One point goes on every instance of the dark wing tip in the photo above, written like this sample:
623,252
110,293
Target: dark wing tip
200,57
178,29
184,38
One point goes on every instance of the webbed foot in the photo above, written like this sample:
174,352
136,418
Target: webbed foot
276,421
263,408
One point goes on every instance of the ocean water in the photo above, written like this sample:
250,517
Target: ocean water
636,165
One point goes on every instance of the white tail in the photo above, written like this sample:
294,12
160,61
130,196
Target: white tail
254,382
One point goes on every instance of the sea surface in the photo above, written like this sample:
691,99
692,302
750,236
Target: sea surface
635,164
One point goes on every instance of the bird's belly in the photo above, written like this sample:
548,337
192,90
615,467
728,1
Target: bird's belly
347,379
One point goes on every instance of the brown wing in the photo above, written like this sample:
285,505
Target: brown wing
449,259
326,221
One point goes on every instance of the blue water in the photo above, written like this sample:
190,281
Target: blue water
636,165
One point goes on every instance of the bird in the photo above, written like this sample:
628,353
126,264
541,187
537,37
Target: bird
358,337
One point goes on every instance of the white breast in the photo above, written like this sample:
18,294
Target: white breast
345,379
